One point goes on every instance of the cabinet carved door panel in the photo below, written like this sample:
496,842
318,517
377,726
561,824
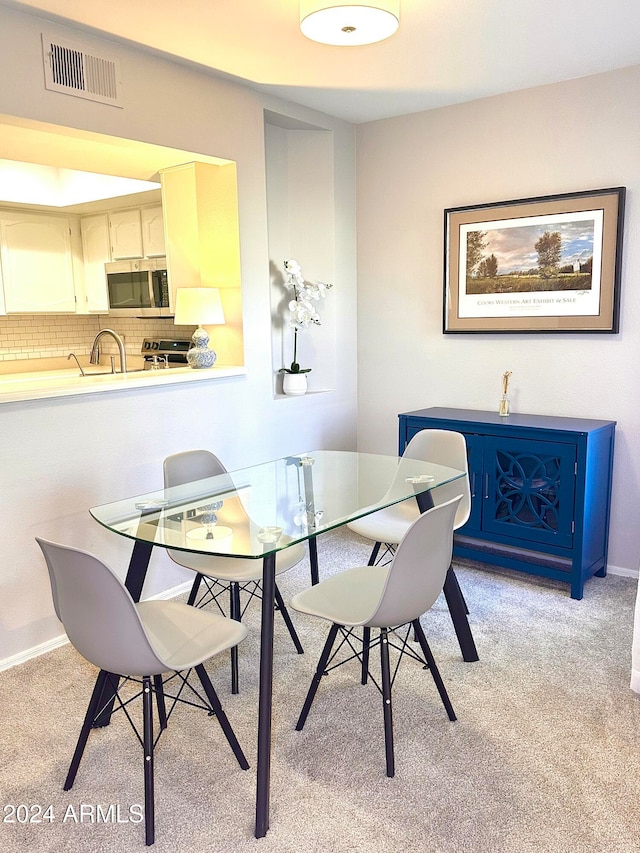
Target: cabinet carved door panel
153,244
126,234
96,251
35,252
529,490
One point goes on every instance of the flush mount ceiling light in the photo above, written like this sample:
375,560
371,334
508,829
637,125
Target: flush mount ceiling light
349,24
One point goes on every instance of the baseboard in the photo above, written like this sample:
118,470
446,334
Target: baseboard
623,573
174,592
33,652
62,639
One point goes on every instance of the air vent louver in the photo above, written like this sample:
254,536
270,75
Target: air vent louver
77,70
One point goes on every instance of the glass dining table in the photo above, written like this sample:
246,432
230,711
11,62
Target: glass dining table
252,513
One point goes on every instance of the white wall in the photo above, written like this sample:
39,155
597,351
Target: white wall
300,198
579,135
60,457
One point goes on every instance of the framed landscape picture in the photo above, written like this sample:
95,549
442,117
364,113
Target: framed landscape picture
549,264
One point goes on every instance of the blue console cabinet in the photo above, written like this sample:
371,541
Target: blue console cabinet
540,490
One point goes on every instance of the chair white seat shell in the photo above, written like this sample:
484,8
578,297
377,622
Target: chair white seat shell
386,598
224,574
140,641
440,446
348,598
233,570
184,636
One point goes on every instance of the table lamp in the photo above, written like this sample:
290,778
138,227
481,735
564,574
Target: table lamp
201,306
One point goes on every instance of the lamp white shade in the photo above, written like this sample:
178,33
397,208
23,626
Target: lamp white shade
354,23
200,306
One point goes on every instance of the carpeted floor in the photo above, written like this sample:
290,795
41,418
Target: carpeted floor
544,756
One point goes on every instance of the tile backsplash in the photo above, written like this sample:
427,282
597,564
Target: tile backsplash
31,336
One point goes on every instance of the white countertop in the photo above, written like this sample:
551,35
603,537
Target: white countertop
40,385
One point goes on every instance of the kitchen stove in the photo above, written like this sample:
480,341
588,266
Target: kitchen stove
165,352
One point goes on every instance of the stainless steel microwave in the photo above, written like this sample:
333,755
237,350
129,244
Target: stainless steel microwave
138,288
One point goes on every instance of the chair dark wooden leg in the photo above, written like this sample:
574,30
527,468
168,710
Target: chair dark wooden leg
212,696
234,596
426,651
366,642
315,681
374,554
195,586
109,690
386,701
94,703
287,620
147,743
162,708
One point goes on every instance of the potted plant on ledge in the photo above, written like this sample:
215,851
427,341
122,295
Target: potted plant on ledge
303,314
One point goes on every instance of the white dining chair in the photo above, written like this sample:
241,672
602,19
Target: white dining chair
388,525
388,598
222,575
140,642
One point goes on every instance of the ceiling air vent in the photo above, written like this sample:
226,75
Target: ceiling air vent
76,70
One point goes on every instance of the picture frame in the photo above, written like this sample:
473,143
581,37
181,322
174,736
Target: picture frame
547,264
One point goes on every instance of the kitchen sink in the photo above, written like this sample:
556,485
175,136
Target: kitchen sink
111,373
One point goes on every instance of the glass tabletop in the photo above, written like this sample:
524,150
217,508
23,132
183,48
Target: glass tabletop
268,507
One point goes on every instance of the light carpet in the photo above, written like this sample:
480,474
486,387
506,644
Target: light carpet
544,756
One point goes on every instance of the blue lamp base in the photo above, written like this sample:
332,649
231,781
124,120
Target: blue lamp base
199,354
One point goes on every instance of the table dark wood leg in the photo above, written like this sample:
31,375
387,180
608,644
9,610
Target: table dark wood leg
134,582
313,560
263,772
454,598
455,603
137,571
424,501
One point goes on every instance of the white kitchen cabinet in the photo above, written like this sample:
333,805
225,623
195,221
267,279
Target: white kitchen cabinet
152,231
2,308
96,252
37,266
125,230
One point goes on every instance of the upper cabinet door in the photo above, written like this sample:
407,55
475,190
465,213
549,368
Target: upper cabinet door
152,232
37,265
126,234
96,252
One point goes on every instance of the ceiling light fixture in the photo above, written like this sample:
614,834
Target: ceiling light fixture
349,24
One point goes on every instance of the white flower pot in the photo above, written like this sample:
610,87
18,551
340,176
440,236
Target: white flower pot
294,384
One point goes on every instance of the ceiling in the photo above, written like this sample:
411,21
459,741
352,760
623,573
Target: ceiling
445,51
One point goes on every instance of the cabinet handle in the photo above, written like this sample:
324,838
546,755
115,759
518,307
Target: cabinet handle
473,485
486,485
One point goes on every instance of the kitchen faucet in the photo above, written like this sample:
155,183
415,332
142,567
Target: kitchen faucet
94,358
73,355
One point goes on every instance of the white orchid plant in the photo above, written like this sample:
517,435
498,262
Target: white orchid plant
302,309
